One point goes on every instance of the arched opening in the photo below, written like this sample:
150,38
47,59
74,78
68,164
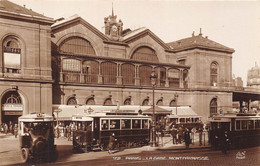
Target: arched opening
90,101
12,107
127,101
173,103
145,73
72,101
77,45
145,102
213,106
159,102
109,72
12,55
108,101
145,53
128,74
214,74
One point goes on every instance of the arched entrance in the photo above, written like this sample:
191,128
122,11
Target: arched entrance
12,107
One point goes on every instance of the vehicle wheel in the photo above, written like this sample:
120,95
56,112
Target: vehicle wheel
25,154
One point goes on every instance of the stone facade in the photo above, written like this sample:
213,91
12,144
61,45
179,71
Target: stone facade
26,86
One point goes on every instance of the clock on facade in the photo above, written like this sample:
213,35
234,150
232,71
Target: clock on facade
114,28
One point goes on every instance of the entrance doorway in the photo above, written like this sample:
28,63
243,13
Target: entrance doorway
12,107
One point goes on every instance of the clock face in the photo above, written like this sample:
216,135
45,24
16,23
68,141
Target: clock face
114,28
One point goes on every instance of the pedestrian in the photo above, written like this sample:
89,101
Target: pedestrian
200,135
187,138
180,135
112,141
5,129
174,135
224,140
15,130
69,133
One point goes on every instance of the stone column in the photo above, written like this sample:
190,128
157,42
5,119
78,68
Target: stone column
119,80
167,79
137,77
100,78
181,79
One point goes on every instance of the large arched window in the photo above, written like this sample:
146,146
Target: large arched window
90,70
145,54
109,72
12,55
213,106
76,45
128,74
72,101
145,73
214,74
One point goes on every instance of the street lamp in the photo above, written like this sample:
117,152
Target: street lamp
153,78
57,112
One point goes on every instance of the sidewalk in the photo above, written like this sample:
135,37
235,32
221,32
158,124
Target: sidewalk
168,145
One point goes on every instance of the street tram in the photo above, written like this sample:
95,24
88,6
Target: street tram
93,131
243,129
36,137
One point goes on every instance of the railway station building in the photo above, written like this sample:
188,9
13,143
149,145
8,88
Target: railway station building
69,62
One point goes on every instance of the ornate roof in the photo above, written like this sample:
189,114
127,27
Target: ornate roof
198,42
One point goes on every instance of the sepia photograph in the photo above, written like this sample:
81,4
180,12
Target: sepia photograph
129,82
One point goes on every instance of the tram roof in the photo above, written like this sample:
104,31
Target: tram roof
235,116
36,117
246,95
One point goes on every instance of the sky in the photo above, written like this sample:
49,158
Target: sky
235,24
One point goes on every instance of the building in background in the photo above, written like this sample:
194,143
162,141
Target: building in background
71,63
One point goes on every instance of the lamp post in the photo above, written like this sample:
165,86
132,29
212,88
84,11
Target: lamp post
153,78
57,112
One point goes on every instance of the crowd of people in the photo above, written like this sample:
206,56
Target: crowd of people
181,134
65,131
10,127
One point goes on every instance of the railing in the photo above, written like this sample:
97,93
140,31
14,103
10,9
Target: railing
90,78
71,77
109,79
128,81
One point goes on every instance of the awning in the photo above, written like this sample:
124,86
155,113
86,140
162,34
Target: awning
157,110
183,111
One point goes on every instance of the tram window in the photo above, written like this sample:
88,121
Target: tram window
144,124
257,124
125,124
104,124
114,124
197,119
188,120
136,124
250,124
182,120
244,124
174,120
238,125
